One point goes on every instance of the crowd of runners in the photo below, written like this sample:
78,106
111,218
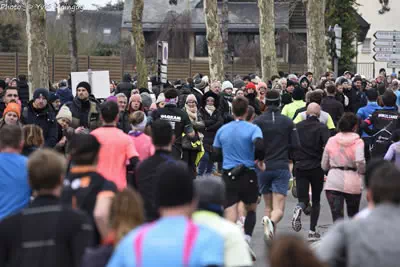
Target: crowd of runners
172,175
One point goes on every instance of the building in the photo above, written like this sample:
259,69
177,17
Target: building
389,21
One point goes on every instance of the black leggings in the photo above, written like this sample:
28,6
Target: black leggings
304,178
336,202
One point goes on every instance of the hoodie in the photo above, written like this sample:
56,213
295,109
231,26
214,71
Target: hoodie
65,95
344,150
125,86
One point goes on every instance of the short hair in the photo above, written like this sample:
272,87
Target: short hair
171,93
331,89
239,106
10,136
33,135
84,149
309,73
347,122
161,133
45,169
22,77
272,98
121,95
389,98
385,184
316,97
275,77
373,165
109,111
136,117
250,113
372,94
10,88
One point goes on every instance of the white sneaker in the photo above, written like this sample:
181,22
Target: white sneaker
296,219
268,229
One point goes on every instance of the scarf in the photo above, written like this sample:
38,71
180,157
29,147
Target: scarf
173,101
210,109
192,112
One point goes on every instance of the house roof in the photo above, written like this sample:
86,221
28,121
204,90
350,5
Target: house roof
243,16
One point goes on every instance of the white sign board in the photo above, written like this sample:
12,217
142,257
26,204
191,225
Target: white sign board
163,77
164,53
387,35
164,69
386,49
100,82
386,43
394,65
387,57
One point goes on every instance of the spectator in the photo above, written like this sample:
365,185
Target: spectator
292,251
313,137
331,105
135,103
23,89
146,102
211,196
85,112
143,144
14,190
162,136
183,94
94,193
117,148
33,139
251,95
65,132
54,100
3,86
11,115
177,117
213,120
226,98
160,100
344,161
355,236
64,92
176,201
126,213
287,93
239,92
123,122
261,90
280,137
10,95
289,110
42,114
125,86
198,90
45,232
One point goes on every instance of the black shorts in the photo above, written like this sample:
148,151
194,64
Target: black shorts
243,187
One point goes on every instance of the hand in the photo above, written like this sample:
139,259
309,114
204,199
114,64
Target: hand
260,165
62,141
79,129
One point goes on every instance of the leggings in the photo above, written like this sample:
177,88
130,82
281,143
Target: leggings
384,2
304,178
336,202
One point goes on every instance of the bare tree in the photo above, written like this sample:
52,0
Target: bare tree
225,27
214,40
316,47
72,40
138,38
38,71
267,39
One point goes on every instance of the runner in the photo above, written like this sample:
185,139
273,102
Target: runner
313,136
239,144
279,137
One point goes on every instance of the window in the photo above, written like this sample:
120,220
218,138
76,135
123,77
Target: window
366,46
106,31
201,49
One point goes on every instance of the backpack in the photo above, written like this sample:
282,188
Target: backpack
382,140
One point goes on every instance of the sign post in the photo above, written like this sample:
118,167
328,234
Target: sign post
162,61
387,48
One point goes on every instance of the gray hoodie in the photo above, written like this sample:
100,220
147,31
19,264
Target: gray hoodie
368,242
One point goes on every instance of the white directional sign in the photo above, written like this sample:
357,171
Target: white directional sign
164,59
164,69
163,77
395,65
394,35
387,43
386,49
387,57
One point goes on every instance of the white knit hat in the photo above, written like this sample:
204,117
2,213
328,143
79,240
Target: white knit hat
227,85
64,113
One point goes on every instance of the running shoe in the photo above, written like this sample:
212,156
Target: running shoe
296,220
313,236
268,229
251,251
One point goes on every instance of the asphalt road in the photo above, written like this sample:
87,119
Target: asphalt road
285,226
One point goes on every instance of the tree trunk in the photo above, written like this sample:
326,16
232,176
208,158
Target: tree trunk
38,71
267,39
73,41
225,28
214,40
138,37
316,47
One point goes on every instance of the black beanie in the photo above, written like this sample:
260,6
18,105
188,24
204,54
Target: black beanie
41,92
83,143
298,93
3,84
175,184
85,85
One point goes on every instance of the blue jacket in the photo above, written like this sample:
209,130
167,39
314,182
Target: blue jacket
366,111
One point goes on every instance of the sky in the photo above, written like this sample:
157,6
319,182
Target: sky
87,4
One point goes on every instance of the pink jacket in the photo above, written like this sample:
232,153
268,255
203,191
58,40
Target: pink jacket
344,150
144,145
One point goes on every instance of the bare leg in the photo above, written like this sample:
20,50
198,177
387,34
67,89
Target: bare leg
268,205
278,207
231,213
